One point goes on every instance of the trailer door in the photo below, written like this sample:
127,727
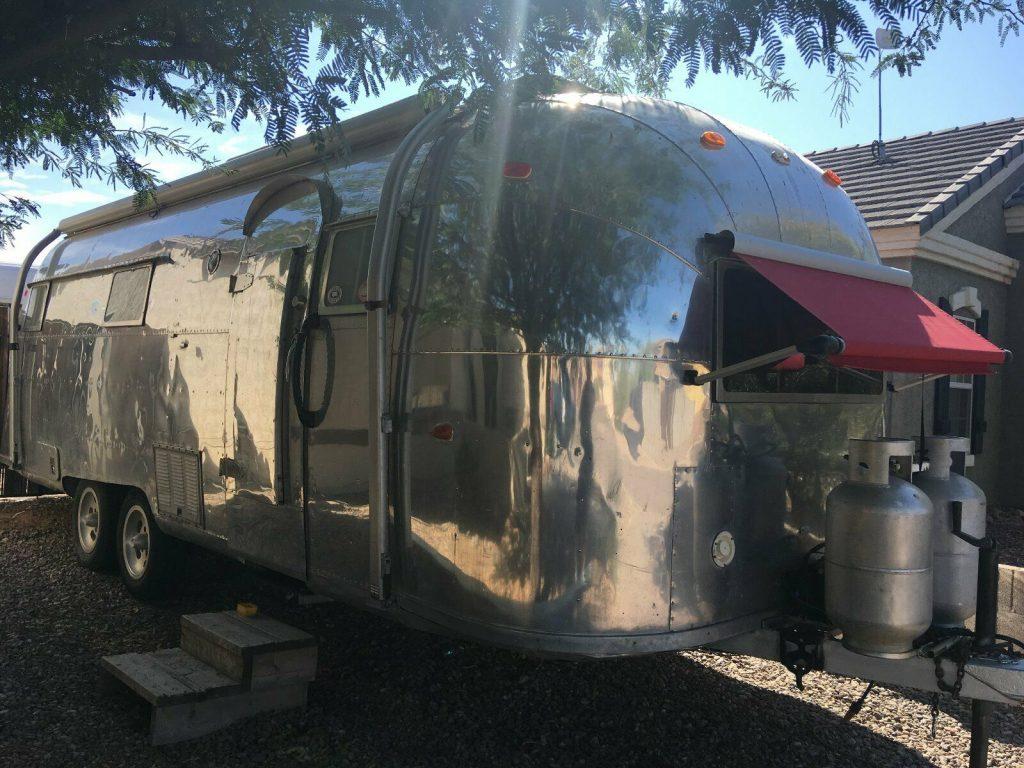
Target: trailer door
337,450
263,470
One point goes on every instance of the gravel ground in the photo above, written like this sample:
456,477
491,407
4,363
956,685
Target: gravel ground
389,696
1007,525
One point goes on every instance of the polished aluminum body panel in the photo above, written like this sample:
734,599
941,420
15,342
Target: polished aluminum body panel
878,551
583,484
548,481
956,561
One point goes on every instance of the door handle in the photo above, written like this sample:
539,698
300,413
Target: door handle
296,358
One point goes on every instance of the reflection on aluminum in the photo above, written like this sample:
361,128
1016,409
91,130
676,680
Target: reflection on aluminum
576,507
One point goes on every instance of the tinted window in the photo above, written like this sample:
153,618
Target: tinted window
345,283
758,318
126,302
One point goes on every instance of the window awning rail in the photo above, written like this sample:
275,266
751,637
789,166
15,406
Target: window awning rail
774,250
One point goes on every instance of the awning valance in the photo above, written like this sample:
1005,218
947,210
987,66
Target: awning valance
886,327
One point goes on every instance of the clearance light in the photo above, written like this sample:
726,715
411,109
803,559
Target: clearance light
444,432
832,178
517,171
712,140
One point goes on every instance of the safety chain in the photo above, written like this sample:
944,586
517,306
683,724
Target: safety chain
959,653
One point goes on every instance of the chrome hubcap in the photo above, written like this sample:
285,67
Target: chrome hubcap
88,519
135,542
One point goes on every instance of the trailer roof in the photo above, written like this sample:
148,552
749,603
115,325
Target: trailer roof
386,123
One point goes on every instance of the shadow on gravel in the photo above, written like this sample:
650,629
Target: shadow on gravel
960,710
385,695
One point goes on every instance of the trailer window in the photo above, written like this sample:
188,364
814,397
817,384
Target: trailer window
129,292
345,283
757,318
35,307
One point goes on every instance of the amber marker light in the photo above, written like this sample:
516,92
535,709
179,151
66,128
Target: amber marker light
517,171
832,178
712,140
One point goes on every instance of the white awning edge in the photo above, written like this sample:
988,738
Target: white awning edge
762,247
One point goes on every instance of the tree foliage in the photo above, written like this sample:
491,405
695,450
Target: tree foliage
68,66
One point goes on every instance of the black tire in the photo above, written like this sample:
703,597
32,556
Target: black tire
145,555
94,515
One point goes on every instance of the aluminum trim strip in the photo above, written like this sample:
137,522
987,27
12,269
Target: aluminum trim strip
751,245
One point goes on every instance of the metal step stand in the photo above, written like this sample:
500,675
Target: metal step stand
229,667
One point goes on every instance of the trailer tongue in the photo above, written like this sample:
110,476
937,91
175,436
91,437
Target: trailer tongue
887,547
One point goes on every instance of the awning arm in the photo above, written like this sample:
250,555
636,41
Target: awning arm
819,346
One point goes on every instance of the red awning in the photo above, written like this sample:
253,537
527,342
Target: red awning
886,327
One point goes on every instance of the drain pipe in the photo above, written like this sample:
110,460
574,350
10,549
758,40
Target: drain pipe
13,393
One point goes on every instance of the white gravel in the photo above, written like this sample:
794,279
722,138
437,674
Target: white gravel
389,696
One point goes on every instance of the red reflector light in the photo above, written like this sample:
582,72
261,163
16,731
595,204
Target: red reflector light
516,170
832,178
712,140
444,432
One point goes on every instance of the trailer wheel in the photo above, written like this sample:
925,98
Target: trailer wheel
144,553
94,525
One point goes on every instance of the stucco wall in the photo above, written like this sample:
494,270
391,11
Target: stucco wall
983,223
903,409
1012,464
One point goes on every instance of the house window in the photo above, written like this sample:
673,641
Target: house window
961,395
35,307
129,292
960,399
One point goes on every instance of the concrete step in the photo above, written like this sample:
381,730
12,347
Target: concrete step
257,651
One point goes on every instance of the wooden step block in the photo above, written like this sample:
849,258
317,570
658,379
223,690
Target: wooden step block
257,651
169,677
190,720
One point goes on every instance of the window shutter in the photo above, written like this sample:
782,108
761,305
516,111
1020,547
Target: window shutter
978,422
940,415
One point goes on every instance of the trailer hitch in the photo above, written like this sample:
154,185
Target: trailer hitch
800,650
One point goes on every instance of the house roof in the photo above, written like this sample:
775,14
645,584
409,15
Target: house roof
931,173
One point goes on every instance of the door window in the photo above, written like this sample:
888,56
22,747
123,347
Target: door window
344,289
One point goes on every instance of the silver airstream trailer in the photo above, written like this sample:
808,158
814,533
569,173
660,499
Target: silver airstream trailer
580,385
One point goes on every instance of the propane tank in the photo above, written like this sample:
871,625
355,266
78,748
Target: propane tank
956,562
878,551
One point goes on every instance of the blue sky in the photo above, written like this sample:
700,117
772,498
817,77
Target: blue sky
969,79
